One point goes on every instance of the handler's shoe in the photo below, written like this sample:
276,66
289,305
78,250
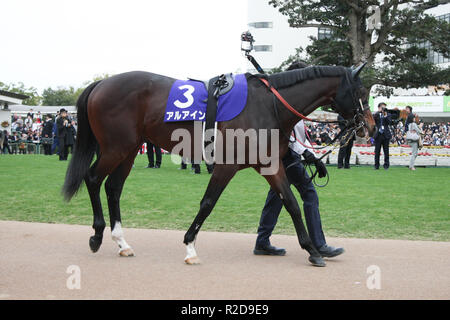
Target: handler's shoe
269,250
329,251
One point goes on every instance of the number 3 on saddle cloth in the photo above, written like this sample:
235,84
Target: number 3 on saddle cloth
220,99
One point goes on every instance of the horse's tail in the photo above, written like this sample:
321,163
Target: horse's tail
84,150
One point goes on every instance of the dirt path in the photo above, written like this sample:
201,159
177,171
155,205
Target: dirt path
35,257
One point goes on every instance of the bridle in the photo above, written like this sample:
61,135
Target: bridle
350,129
351,126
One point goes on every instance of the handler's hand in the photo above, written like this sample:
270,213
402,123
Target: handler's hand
321,169
310,159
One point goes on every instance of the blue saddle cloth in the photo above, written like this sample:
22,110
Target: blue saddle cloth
188,98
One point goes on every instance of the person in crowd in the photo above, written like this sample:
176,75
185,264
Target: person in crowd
23,144
345,150
382,135
2,139
37,125
30,139
47,134
6,148
70,136
299,177
409,118
151,159
29,122
412,137
55,136
62,124
14,142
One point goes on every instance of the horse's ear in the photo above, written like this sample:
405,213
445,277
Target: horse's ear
355,72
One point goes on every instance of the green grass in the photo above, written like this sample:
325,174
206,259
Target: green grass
361,202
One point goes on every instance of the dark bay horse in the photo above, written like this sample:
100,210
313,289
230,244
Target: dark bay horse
117,114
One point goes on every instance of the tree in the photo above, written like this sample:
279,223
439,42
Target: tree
397,44
67,96
34,97
59,97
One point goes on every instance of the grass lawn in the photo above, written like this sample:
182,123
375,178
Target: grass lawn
360,202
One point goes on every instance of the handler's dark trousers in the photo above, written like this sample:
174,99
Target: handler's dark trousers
297,176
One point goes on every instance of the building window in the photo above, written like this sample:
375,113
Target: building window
324,33
432,56
264,47
260,25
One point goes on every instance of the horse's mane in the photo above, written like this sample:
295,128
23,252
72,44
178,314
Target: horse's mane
291,77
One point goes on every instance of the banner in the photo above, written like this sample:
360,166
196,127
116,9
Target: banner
446,103
418,103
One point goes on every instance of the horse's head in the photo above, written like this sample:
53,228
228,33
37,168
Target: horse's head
351,102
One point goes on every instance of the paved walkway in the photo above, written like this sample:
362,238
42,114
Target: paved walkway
35,258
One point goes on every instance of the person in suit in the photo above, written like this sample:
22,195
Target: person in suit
62,128
383,135
47,133
345,151
70,136
298,176
151,161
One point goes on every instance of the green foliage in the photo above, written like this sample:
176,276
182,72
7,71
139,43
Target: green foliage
405,29
31,92
59,97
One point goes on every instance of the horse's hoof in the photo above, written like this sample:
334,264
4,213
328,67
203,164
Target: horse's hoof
192,260
317,261
95,243
126,253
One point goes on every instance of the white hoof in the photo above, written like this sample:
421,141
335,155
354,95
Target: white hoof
192,260
117,236
191,257
126,252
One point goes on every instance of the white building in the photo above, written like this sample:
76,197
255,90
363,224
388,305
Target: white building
275,40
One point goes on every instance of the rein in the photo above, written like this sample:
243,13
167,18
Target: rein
298,114
288,106
348,125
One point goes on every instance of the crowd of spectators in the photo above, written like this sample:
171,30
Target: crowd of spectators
26,136
435,133
27,133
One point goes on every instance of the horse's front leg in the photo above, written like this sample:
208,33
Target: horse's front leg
280,184
220,178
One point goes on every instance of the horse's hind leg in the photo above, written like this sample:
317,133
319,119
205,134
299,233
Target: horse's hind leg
219,180
93,184
113,187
